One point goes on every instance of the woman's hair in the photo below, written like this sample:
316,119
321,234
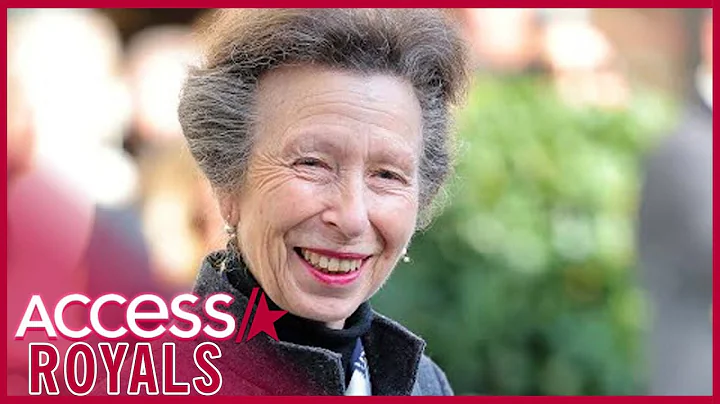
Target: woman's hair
419,46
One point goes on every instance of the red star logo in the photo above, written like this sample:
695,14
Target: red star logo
264,320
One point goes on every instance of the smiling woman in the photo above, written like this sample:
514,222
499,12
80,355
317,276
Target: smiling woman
325,134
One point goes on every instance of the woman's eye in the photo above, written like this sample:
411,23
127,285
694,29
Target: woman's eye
389,175
311,162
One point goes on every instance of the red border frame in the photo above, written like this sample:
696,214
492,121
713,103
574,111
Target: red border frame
395,3
365,3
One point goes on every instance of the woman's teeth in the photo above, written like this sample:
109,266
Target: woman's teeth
329,264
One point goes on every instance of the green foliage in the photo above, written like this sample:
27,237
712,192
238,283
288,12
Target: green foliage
525,285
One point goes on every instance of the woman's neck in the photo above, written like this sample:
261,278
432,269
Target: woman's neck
336,325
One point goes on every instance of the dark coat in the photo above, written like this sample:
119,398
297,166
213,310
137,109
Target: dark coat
263,366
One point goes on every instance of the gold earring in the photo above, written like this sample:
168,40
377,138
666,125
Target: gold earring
405,258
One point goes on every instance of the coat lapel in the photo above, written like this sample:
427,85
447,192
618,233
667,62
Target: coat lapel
393,355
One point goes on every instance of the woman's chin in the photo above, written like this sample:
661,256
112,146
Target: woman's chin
315,300
329,310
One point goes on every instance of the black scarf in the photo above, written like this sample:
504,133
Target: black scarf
301,331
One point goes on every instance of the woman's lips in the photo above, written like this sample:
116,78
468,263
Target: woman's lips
335,254
332,268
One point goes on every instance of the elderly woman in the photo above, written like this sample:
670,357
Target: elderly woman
325,135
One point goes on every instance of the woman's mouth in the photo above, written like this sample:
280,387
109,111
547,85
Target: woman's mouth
331,263
331,267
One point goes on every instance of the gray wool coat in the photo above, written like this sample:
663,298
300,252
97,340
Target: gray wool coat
263,366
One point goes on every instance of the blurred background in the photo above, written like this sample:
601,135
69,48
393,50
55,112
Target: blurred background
573,256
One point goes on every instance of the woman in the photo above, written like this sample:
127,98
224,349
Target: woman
324,134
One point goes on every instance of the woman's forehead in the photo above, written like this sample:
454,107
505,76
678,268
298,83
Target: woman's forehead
309,87
314,101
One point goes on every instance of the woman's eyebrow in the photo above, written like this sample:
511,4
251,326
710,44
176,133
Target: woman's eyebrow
401,158
390,152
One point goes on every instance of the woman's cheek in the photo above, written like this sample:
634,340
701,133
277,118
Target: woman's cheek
295,201
395,217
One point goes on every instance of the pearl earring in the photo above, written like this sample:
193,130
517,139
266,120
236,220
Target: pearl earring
230,230
231,246
405,258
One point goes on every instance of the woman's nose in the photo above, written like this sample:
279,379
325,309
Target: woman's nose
349,211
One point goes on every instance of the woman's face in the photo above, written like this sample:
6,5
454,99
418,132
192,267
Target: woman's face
331,196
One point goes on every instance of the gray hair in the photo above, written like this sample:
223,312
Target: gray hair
421,46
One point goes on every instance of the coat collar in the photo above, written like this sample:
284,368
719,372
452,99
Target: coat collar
393,352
